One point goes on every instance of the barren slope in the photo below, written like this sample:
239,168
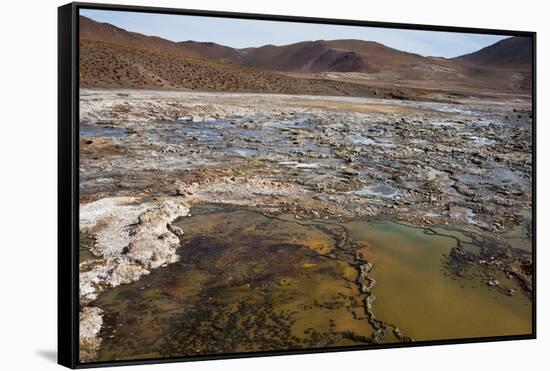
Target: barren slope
514,52
110,65
92,30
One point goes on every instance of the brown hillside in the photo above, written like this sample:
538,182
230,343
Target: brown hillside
327,56
303,57
92,30
213,51
512,52
109,65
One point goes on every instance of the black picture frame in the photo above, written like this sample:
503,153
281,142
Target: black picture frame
68,180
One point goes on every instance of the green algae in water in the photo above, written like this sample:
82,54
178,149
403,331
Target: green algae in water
250,282
414,293
245,282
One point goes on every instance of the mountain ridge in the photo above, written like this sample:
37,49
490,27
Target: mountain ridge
341,55
503,66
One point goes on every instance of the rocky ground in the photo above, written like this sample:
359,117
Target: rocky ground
146,157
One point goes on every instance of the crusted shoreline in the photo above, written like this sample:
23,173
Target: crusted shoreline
130,240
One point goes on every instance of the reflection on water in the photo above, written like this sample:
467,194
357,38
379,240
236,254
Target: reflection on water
251,282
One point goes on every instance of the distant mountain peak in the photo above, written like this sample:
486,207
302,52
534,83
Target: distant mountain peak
513,51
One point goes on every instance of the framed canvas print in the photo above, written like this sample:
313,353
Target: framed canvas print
236,185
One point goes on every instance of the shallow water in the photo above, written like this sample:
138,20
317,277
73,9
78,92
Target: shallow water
243,152
482,141
414,292
93,130
380,189
252,282
244,137
488,181
245,282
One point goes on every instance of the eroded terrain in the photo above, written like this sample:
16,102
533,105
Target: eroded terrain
267,222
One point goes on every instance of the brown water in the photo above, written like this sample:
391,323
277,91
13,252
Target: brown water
414,292
251,282
246,282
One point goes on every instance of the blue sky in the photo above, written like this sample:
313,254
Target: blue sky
242,33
